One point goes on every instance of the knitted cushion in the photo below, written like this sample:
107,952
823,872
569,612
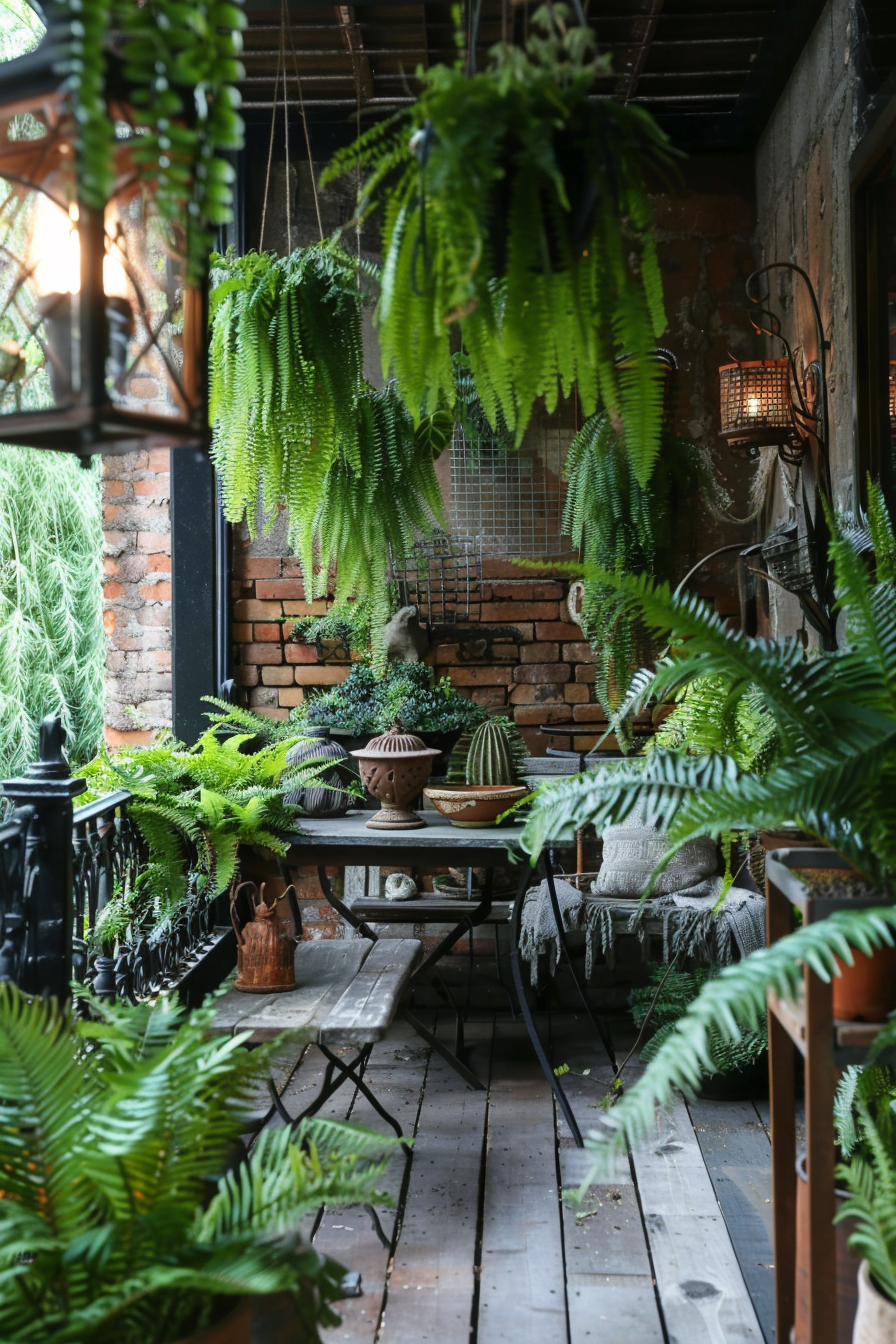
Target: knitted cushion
632,851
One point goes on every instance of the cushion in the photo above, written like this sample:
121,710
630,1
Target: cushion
632,851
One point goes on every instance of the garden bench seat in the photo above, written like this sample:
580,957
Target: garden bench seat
346,997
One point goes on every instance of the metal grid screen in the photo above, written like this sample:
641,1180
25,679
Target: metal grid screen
512,499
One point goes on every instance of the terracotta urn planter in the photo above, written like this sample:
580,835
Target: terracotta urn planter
394,767
876,1316
233,1328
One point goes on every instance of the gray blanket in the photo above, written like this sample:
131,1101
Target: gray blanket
695,923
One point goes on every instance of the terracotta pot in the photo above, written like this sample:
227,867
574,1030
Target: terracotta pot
475,804
233,1328
845,1262
394,767
876,1316
866,991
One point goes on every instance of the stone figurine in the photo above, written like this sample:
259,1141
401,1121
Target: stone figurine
404,638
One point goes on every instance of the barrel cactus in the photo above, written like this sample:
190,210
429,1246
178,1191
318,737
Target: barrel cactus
495,754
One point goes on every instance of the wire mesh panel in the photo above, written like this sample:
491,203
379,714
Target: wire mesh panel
512,499
442,579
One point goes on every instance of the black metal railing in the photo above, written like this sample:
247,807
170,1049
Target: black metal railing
61,866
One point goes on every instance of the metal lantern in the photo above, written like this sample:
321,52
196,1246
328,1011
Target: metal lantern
756,404
102,341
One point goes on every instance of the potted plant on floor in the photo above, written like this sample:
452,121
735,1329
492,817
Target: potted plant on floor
123,1216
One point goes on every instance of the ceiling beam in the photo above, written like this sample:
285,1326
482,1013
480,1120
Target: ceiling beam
650,23
350,33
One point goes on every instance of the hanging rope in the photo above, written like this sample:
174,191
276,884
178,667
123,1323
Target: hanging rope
281,64
284,17
295,63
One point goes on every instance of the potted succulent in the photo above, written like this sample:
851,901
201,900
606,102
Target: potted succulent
126,1216
490,761
368,702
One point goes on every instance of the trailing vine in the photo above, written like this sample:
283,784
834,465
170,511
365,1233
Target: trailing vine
181,63
623,527
514,209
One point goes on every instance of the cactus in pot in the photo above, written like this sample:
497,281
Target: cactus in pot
495,754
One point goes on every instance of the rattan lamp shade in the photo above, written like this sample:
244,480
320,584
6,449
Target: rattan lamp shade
756,403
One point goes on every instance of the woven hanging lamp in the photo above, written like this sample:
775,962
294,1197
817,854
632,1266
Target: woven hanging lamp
756,404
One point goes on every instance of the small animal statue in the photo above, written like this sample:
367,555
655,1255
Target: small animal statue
404,638
265,944
400,887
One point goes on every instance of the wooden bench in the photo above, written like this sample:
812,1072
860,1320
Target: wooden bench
346,997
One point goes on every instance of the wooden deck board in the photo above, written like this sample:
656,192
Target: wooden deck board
736,1150
661,1253
702,1292
432,1285
522,1289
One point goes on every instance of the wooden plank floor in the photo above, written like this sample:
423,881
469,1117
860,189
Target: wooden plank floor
484,1250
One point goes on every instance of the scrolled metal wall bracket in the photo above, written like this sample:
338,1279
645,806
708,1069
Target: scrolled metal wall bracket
809,410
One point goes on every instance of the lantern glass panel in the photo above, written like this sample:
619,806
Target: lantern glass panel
756,401
101,338
39,274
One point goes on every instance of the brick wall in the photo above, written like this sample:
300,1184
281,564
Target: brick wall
137,595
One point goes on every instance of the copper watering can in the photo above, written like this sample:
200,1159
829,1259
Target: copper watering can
265,945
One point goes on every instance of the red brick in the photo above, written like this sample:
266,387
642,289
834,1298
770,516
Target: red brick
111,512
248,609
280,588
268,632
579,652
535,673
241,632
112,489
277,676
555,629
444,654
158,564
300,654
257,567
156,488
154,541
528,590
296,608
110,566
135,737
482,676
290,696
158,658
530,714
539,653
159,459
267,712
154,615
589,714
261,653
246,676
576,694
109,622
496,613
111,590
586,674
321,676
536,695
492,696
156,592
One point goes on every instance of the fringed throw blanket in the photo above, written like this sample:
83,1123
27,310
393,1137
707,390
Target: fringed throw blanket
692,920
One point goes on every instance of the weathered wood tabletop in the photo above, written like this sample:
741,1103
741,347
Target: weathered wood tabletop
347,840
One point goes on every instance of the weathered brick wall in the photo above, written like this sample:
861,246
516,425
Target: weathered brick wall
137,595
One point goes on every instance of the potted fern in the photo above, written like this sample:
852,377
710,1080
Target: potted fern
123,1217
512,200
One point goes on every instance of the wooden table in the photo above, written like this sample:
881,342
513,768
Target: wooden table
807,1028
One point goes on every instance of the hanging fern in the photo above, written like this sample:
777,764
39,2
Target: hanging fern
709,717
622,526
513,208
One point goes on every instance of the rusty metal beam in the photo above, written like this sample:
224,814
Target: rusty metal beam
350,33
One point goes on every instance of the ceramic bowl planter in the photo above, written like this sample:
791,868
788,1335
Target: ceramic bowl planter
394,767
876,1316
475,804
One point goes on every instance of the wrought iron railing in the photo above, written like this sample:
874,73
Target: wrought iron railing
60,867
